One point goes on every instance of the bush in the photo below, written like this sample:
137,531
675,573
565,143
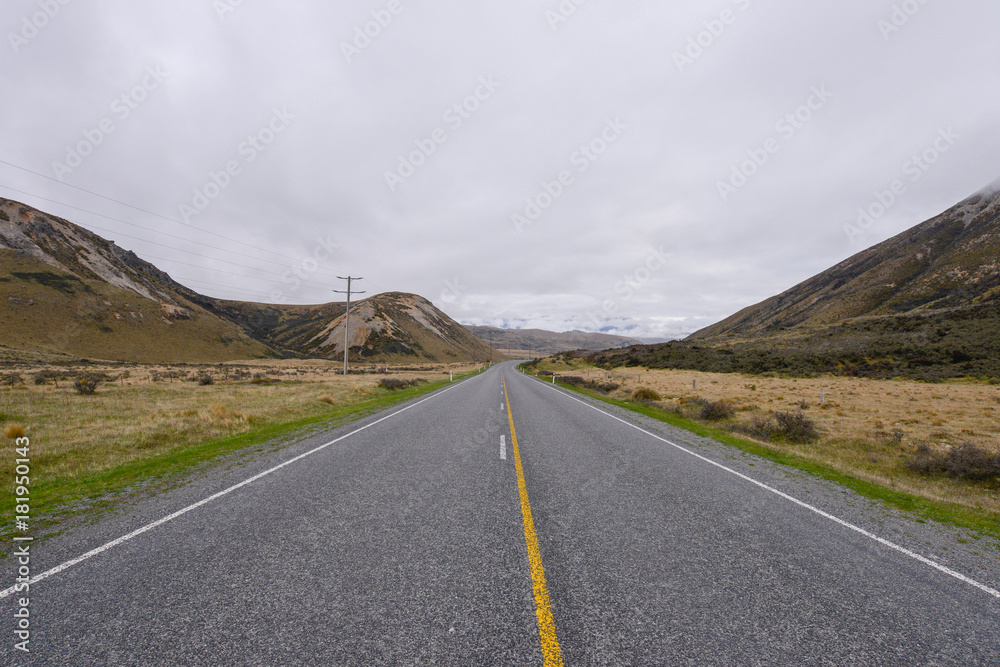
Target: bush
791,426
965,461
796,427
764,428
87,385
715,411
646,395
12,379
205,380
393,384
577,381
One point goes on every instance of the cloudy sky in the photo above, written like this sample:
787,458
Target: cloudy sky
640,167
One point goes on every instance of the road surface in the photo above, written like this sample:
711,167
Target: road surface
424,536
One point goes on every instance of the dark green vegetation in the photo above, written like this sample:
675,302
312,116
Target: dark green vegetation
963,343
970,518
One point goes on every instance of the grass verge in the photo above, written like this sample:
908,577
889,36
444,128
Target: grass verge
979,521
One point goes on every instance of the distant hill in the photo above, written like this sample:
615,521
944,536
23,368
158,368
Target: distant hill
537,341
67,291
923,304
951,261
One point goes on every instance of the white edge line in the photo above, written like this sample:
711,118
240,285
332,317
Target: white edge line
926,561
156,524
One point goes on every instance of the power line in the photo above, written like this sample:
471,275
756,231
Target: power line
137,208
163,245
157,215
148,229
221,287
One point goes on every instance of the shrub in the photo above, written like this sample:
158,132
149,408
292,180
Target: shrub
87,385
205,379
327,399
965,461
761,427
12,379
796,427
715,410
577,381
791,426
393,384
14,431
647,395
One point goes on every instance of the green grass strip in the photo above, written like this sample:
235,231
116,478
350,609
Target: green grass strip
940,511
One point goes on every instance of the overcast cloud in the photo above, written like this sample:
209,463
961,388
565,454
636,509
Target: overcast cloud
585,180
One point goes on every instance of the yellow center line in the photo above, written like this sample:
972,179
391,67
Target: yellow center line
543,607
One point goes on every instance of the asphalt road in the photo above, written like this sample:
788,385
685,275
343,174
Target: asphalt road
406,543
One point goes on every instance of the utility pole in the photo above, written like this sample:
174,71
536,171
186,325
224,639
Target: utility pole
347,315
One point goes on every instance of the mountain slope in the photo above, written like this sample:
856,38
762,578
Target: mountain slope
924,304
950,261
66,290
537,341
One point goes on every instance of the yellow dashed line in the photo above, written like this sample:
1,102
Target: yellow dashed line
543,607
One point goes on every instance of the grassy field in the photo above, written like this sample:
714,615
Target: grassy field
150,421
867,429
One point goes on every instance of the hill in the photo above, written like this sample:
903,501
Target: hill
949,262
924,304
67,291
539,342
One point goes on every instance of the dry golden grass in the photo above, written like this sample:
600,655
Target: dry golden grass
153,409
868,427
14,431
